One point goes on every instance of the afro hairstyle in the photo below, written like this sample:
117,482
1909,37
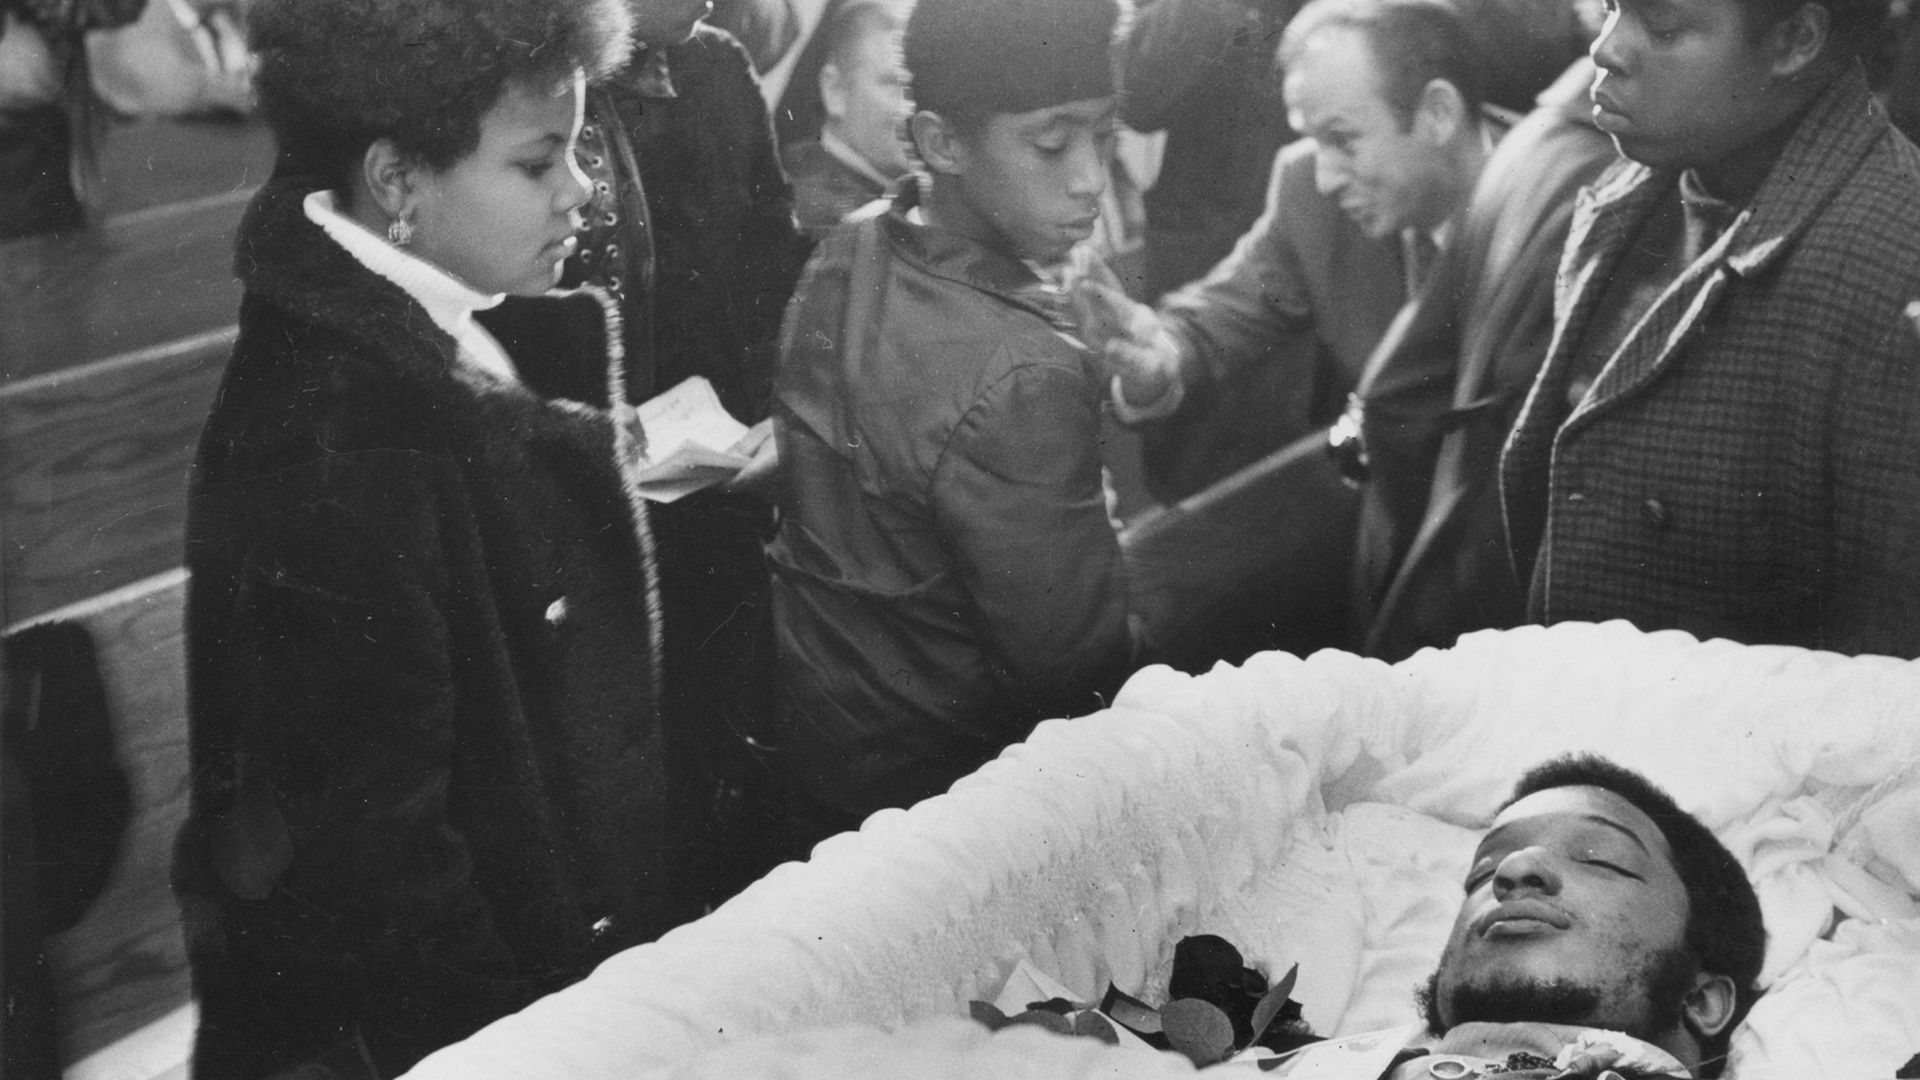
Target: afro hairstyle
336,75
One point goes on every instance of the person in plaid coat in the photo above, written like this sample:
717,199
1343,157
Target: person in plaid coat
1725,437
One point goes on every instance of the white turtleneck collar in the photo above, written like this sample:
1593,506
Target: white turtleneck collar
448,300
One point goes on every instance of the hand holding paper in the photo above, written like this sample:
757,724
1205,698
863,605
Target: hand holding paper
689,442
758,445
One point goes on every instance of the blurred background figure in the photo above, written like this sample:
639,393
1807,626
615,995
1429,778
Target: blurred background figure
69,69
48,110
691,227
768,28
858,154
1202,71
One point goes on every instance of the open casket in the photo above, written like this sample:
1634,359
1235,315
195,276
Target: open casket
1319,812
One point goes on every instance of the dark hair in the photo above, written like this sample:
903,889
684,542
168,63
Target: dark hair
336,75
1414,42
1725,931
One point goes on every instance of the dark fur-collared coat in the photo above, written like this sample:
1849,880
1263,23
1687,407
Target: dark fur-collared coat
427,780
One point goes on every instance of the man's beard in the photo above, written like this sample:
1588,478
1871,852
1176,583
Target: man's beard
1662,984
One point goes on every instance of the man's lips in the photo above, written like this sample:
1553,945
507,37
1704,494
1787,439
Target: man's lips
1520,916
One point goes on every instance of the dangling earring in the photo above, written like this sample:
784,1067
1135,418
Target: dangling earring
400,232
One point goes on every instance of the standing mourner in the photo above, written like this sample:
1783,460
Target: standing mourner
421,624
945,572
1723,438
1388,92
692,229
1442,389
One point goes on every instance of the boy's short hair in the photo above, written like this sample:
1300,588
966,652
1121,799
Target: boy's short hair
975,58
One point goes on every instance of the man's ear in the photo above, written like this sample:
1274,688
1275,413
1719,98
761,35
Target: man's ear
1800,39
833,90
937,142
1708,1007
1440,112
389,179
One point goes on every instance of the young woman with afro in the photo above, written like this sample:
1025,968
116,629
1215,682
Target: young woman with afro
423,626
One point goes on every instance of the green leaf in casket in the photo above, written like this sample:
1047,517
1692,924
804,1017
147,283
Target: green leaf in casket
1198,1030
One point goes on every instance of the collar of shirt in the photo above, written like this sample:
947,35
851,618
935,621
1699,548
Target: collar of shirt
951,255
449,301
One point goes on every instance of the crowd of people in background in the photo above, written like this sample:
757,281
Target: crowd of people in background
1606,312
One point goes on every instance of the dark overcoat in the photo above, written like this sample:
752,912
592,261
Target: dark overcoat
427,782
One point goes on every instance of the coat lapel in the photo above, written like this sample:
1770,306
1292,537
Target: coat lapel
1824,150
1605,218
1827,145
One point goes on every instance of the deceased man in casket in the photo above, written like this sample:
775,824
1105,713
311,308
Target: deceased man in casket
1603,930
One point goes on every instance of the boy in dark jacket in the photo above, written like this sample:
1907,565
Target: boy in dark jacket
945,572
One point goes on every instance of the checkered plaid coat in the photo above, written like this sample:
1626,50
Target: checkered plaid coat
1747,465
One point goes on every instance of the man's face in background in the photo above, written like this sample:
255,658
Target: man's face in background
1386,173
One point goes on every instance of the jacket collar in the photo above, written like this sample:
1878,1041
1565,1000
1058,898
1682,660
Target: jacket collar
946,254
1824,150
284,258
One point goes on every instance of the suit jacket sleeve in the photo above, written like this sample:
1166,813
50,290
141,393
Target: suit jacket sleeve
1257,296
1018,493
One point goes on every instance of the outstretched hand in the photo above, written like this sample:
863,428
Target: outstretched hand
1133,344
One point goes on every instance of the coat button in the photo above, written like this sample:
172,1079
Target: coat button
557,612
1657,514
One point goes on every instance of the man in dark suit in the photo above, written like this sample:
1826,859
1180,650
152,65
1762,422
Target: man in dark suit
1441,392
1388,92
1723,436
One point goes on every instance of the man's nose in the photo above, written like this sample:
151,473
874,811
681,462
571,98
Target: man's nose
1527,870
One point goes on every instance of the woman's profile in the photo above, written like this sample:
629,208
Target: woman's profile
423,617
